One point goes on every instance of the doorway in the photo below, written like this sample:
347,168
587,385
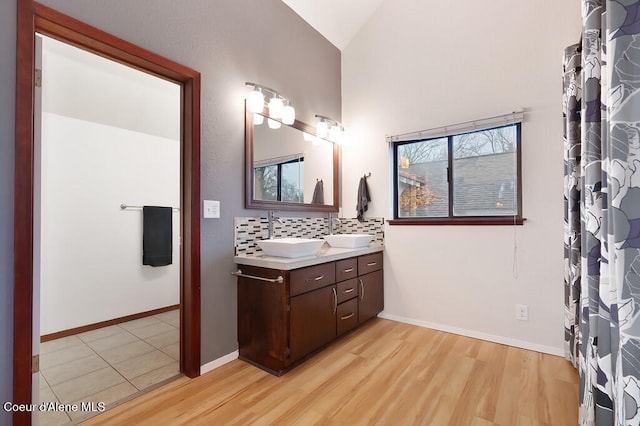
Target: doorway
109,325
32,18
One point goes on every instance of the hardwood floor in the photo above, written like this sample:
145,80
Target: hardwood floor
386,373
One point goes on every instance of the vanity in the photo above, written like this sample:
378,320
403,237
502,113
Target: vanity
291,307
288,309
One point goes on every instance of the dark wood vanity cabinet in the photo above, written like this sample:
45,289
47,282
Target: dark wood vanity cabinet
281,323
371,291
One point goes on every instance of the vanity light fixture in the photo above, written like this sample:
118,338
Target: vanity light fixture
273,124
275,107
288,113
328,127
322,129
255,101
309,137
279,107
335,132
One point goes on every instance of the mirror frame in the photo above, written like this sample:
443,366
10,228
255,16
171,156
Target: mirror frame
252,203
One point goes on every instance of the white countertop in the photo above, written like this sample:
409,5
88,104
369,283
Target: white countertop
325,254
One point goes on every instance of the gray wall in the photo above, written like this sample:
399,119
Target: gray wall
229,42
7,136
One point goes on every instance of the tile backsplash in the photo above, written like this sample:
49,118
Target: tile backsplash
248,230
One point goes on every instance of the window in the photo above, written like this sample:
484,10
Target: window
464,178
280,181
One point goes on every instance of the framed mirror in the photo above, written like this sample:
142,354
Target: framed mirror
288,169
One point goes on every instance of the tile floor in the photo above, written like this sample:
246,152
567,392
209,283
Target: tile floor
108,364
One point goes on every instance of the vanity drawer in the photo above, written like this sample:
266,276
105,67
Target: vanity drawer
347,316
369,263
346,269
311,278
347,290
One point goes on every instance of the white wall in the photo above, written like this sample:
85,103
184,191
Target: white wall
91,268
318,165
85,86
417,65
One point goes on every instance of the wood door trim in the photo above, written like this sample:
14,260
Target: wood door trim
32,17
23,211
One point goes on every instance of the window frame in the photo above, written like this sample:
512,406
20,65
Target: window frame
517,219
279,181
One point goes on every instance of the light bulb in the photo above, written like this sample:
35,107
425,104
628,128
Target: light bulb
255,101
288,115
273,124
322,128
334,133
275,107
344,138
258,119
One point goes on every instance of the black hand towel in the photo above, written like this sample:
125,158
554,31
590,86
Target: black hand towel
318,193
363,198
157,236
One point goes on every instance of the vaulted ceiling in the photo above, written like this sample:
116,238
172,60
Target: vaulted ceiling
337,20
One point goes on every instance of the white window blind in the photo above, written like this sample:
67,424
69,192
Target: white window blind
278,160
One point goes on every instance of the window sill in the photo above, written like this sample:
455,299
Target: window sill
476,221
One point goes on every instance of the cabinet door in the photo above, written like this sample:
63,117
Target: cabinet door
371,300
263,319
313,321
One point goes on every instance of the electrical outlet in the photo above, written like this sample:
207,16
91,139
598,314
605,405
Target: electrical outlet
522,312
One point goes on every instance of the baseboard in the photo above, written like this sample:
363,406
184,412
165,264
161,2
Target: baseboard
477,335
210,366
101,324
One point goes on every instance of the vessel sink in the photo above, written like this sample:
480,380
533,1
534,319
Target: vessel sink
290,247
348,240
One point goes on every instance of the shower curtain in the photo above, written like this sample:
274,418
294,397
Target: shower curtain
601,108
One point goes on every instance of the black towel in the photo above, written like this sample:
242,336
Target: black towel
363,198
318,193
157,236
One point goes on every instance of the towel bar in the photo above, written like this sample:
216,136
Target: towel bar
239,273
125,206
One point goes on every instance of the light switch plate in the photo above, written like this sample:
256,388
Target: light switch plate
211,209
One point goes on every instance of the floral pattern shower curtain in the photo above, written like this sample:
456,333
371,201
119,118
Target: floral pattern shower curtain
602,211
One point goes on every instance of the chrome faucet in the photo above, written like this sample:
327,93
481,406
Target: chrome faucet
271,217
331,219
